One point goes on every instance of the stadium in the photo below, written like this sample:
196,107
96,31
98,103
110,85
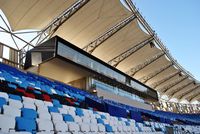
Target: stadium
90,67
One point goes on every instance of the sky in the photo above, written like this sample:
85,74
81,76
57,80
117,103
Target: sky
177,23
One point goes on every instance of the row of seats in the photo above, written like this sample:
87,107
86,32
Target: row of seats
37,116
31,103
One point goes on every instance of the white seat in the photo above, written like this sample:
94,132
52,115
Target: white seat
45,125
29,105
119,128
39,103
28,100
45,133
114,128
64,133
48,103
44,115
11,111
66,107
61,127
124,128
42,109
56,117
7,123
15,103
93,121
77,119
73,127
63,111
93,128
92,116
71,112
84,127
101,128
97,116
20,133
86,120
71,108
106,121
4,95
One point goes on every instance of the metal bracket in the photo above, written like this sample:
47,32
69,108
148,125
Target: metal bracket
155,73
180,88
164,89
118,59
97,42
192,89
155,84
134,70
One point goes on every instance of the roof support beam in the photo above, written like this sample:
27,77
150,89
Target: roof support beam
118,59
146,26
155,84
174,83
195,97
53,26
189,91
192,94
173,92
136,69
155,73
106,35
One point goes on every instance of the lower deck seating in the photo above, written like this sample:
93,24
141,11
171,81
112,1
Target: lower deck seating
28,115
34,104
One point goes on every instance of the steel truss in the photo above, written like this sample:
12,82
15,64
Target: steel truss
134,70
195,97
192,95
118,59
53,26
155,73
174,83
157,40
173,92
155,84
106,35
192,89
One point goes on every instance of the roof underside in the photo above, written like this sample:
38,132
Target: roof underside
94,19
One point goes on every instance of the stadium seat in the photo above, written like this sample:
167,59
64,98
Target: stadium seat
7,123
68,118
11,111
2,101
45,125
23,124
73,127
61,127
29,113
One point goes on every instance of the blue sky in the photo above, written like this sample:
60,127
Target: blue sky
177,22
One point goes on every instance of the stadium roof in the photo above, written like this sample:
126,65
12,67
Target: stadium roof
110,31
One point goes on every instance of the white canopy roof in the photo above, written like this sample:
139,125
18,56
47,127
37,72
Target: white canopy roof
95,19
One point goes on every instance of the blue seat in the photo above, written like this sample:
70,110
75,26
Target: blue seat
56,103
23,124
100,121
12,86
53,109
108,128
68,118
29,113
127,123
79,112
103,117
2,101
15,97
